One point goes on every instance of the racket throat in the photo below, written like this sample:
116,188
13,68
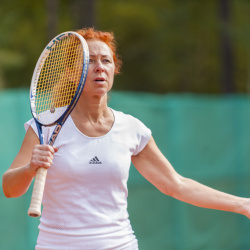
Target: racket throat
40,133
55,134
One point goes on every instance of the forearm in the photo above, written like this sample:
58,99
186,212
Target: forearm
153,165
15,182
197,194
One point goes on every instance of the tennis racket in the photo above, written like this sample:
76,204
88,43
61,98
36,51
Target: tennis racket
56,86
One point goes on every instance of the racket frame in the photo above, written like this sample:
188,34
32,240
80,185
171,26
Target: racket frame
36,199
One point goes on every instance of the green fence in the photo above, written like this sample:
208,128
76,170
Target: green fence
206,138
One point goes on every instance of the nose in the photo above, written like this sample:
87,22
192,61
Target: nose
99,66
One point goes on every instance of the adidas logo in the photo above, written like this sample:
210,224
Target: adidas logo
95,160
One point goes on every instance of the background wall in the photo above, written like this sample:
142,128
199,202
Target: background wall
205,138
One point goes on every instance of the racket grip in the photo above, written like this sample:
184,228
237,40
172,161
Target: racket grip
37,194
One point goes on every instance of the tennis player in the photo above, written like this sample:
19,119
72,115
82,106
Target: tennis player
85,198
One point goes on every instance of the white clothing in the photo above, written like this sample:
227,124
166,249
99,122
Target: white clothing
85,197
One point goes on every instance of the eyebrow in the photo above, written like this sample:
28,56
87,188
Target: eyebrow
101,55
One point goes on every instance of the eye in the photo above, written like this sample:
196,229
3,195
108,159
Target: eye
91,60
106,60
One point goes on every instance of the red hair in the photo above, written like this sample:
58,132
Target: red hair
106,37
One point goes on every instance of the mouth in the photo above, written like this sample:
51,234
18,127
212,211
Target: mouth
99,79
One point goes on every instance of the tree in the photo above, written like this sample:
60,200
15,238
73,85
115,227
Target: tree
83,13
166,46
228,81
52,18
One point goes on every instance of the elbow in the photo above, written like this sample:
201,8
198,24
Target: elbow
6,194
5,188
173,187
14,186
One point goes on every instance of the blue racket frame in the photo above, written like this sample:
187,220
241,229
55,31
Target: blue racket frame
61,120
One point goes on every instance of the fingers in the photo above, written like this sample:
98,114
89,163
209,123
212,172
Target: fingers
42,157
55,149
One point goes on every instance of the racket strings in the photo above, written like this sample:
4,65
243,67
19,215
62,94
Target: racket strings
59,77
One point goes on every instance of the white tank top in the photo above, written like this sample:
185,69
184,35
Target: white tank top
86,187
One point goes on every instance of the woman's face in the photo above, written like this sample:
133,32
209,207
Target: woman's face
101,69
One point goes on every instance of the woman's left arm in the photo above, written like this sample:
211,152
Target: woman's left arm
153,165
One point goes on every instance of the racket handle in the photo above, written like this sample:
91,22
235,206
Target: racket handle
37,194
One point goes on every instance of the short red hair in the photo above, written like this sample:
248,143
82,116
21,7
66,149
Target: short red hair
106,37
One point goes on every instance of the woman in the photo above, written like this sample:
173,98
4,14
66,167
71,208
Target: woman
85,198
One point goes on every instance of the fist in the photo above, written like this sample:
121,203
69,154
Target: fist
42,157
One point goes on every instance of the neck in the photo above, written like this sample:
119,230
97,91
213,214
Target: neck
91,108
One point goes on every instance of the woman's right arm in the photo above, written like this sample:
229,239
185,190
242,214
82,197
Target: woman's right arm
17,179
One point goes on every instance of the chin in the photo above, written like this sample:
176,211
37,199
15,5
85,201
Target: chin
100,93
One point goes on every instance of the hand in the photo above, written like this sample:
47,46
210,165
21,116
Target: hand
42,157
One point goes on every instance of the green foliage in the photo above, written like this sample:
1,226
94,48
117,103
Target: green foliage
22,40
241,38
165,45
170,46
